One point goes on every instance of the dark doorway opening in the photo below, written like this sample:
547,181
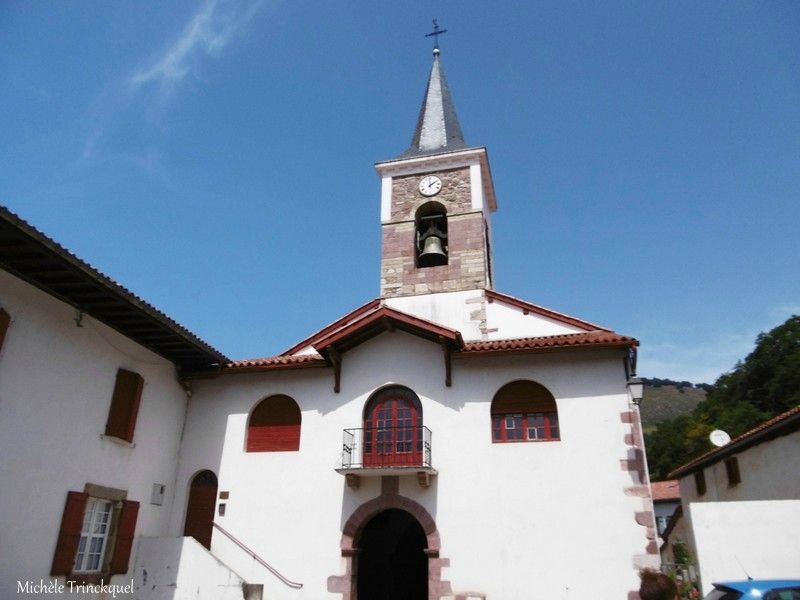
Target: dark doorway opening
200,509
392,564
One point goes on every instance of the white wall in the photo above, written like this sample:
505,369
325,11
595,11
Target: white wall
736,539
526,521
463,311
56,382
763,473
182,569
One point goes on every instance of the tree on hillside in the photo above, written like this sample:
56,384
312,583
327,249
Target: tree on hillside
765,384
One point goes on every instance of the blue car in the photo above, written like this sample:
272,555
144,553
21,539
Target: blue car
763,589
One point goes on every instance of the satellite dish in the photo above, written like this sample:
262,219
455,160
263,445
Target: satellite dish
719,438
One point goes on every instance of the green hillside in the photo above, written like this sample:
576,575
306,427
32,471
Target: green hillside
667,402
765,384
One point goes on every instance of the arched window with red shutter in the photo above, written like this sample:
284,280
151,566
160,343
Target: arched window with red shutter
274,425
524,411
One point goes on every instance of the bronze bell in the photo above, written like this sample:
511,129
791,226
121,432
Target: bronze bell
433,254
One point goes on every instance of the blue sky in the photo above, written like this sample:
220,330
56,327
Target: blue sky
215,157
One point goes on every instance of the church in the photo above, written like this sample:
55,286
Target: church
443,441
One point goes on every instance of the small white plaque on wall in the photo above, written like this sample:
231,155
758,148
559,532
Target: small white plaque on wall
157,496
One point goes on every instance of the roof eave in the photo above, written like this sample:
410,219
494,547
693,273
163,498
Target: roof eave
781,428
50,260
545,349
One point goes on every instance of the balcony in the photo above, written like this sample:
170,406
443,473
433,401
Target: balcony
386,451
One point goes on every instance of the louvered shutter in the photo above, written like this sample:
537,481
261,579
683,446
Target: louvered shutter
5,321
523,397
274,426
126,529
70,533
124,405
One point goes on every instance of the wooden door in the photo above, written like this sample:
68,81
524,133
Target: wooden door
200,509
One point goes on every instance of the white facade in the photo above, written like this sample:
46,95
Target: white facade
745,527
56,383
498,508
763,472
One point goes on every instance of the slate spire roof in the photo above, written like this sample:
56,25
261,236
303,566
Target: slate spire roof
437,129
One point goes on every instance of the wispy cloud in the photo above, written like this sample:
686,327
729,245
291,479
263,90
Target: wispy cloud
91,143
703,362
699,363
206,34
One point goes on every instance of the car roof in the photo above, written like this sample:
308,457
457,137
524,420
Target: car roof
761,585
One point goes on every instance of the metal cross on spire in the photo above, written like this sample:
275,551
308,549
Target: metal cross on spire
437,31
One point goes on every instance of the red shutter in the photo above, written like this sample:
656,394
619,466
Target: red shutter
274,426
124,405
70,533
125,532
5,321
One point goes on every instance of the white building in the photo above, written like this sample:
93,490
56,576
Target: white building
444,440
740,506
666,498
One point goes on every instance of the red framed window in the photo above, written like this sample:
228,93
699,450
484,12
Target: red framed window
393,429
525,427
524,411
274,425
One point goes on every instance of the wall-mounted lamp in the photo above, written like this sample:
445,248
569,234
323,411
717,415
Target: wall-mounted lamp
635,390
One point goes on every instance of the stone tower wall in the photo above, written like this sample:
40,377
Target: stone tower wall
467,261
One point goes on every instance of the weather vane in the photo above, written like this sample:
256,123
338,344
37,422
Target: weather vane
437,31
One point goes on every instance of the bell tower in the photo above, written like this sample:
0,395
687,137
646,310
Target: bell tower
436,198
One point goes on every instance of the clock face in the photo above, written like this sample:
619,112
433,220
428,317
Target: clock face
430,185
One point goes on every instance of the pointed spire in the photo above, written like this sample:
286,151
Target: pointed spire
437,126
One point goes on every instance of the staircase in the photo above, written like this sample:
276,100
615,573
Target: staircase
182,569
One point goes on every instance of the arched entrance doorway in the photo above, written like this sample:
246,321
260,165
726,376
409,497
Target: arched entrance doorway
393,428
200,508
392,564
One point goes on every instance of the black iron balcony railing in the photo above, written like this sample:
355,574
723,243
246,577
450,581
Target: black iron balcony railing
392,447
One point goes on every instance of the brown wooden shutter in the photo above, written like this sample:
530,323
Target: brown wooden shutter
732,470
125,532
700,482
70,533
124,405
5,321
523,397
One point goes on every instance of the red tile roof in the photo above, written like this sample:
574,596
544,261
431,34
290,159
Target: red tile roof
270,363
372,318
29,254
371,323
337,324
665,490
492,295
781,425
592,339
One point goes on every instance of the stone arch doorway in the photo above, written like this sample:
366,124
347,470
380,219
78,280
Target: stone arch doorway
346,583
391,562
200,507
